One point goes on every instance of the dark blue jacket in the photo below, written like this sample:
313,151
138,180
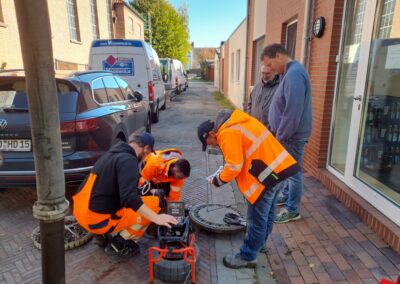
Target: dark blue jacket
290,113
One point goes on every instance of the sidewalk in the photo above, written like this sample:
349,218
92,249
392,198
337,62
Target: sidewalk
328,245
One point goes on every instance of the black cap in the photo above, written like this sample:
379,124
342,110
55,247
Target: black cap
203,130
147,139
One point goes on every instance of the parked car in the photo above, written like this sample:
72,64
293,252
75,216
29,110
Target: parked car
137,63
173,75
96,110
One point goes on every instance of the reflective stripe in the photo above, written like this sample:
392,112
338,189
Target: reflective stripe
278,160
136,227
175,189
257,143
245,132
236,168
251,190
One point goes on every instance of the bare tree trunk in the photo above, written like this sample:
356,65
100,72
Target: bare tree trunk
51,206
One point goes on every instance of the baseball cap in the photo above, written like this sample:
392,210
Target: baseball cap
147,139
203,130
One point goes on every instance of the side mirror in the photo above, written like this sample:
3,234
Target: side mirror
138,96
165,77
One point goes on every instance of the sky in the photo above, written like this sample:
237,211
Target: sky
212,21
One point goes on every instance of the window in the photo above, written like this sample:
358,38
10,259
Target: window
238,65
130,25
386,21
1,14
95,20
73,20
232,66
114,93
108,13
124,87
291,33
139,28
99,92
258,47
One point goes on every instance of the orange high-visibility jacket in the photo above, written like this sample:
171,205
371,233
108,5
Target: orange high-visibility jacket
156,168
252,155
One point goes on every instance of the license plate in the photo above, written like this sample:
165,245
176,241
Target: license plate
15,145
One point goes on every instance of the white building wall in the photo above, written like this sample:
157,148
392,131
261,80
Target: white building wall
237,41
260,18
216,71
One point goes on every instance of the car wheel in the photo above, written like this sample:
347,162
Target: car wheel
156,114
148,123
164,106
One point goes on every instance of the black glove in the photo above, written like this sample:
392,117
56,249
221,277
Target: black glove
216,181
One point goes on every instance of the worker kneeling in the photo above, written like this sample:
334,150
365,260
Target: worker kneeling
164,173
108,204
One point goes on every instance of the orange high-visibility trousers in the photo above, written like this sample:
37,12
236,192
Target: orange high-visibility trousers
127,220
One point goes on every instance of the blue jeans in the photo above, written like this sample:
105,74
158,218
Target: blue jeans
293,186
260,219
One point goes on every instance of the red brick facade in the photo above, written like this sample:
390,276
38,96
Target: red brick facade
322,66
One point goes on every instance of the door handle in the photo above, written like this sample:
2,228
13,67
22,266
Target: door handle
357,98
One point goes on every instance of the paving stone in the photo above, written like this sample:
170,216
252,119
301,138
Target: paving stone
328,245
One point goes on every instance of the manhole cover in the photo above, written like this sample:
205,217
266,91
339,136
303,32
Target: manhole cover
74,235
210,217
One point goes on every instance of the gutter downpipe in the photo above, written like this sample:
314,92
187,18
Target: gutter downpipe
306,31
246,60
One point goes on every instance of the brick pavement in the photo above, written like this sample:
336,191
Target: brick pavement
328,245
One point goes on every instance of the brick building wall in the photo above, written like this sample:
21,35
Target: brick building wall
71,54
10,48
249,55
322,70
128,24
279,13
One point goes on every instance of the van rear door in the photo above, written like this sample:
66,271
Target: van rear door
125,58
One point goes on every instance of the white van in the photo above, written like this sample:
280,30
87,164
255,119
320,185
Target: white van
173,75
136,62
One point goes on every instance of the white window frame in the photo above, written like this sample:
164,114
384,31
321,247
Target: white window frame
73,20
238,65
94,18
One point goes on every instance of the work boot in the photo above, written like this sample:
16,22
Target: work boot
236,262
101,240
122,248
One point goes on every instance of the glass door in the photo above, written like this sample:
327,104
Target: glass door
378,152
348,71
365,137
373,170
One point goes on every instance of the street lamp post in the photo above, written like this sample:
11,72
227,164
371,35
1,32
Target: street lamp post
51,206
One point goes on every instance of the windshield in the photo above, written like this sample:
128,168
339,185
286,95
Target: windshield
13,97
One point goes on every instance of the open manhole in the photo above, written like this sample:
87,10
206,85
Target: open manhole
74,235
210,217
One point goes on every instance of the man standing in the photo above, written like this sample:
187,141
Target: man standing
108,202
290,119
261,95
166,170
257,161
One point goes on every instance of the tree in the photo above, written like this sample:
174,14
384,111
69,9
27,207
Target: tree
169,27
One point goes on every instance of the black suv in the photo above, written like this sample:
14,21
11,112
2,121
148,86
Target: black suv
96,109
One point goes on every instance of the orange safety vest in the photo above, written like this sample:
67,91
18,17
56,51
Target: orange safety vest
252,155
131,224
156,168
